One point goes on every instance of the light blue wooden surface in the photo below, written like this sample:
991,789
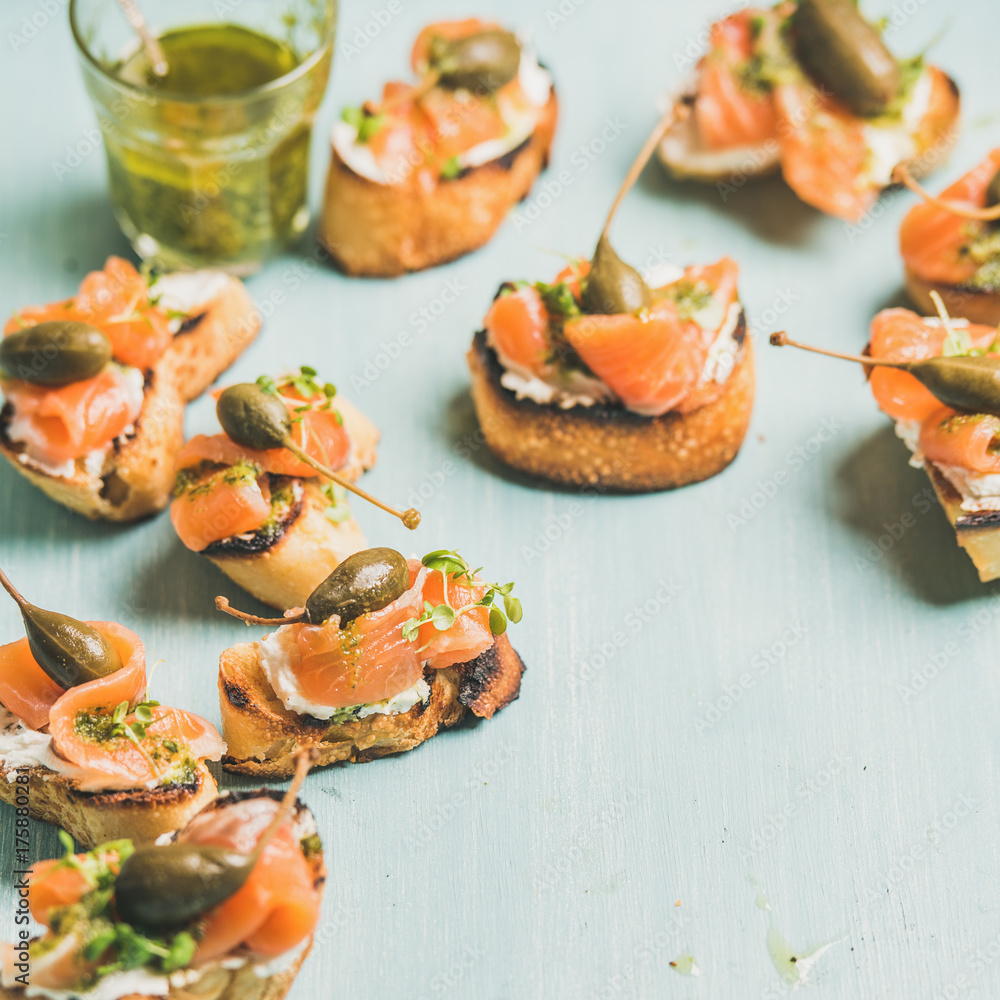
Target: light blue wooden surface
712,709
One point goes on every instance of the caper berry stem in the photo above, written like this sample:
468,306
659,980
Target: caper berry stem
901,175
780,339
673,115
222,604
304,760
410,517
13,591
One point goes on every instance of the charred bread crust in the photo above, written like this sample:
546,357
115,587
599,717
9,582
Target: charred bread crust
384,230
263,736
285,573
977,533
138,473
93,818
606,446
977,305
218,983
935,137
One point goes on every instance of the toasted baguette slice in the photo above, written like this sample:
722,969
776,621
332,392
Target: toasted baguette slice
383,230
263,736
974,304
216,983
686,157
93,818
977,533
605,445
227,980
309,547
137,476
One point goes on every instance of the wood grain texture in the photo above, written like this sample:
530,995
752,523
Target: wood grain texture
764,683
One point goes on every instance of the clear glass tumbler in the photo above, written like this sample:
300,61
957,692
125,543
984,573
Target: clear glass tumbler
208,167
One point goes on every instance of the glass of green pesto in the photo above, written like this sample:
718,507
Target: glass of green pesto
208,165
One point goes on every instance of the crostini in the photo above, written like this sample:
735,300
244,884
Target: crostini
96,385
268,520
385,653
428,174
225,907
938,378
599,380
82,746
810,87
951,245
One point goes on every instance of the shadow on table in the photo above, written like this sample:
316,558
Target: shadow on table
893,508
62,229
766,206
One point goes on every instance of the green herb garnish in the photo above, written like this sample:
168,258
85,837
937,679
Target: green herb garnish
451,565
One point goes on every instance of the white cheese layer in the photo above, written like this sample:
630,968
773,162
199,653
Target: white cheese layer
890,145
22,430
536,82
187,292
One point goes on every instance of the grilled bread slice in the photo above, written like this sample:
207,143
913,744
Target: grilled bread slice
977,305
686,157
283,567
93,818
137,475
383,230
606,446
263,736
230,979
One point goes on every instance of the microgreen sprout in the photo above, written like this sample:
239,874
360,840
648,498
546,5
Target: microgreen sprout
442,616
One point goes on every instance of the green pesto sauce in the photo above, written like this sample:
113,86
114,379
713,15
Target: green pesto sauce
213,60
210,185
984,249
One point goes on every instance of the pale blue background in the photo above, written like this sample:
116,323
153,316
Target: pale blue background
565,830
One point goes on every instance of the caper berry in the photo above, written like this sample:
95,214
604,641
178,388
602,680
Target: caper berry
162,886
253,417
841,50
612,286
364,582
54,353
482,62
965,382
993,191
171,884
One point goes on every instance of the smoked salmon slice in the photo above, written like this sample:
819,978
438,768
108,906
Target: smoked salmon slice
470,634
278,906
726,112
225,505
99,764
116,301
518,324
649,361
319,432
932,240
902,335
69,422
968,440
